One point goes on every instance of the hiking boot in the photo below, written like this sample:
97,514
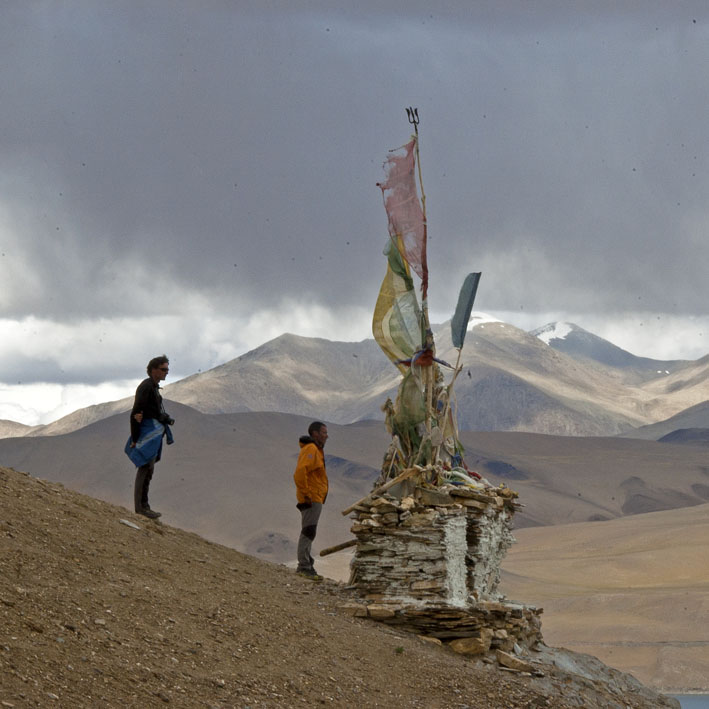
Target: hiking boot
309,574
147,512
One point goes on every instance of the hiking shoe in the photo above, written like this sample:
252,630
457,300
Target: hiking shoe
151,514
309,574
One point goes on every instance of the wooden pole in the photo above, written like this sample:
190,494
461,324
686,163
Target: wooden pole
456,372
402,476
338,547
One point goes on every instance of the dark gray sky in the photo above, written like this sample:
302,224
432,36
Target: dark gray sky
198,177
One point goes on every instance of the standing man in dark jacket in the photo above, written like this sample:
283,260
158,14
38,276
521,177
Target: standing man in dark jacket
311,486
148,424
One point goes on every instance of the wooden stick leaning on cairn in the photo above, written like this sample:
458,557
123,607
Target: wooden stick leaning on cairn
402,476
338,547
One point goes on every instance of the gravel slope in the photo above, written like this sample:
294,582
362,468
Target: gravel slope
97,613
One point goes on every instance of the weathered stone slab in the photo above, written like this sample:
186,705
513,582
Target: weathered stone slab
429,640
513,662
427,585
474,494
382,505
434,498
380,610
469,502
421,518
472,646
358,610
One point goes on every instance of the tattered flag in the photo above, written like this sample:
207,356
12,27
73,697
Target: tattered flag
396,324
466,298
407,226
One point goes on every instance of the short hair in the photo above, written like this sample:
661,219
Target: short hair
315,426
156,362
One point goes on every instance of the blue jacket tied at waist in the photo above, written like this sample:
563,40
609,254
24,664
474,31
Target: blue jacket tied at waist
149,445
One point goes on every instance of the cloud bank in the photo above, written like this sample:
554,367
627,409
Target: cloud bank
197,178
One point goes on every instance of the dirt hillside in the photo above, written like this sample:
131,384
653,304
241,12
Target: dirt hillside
95,612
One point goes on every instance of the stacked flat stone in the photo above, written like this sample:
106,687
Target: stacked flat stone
476,629
429,562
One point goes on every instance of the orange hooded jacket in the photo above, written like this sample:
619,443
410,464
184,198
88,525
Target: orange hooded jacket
310,477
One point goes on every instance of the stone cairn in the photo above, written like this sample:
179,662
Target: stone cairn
427,560
430,538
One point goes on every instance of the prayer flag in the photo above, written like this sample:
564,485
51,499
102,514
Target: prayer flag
466,298
396,324
407,227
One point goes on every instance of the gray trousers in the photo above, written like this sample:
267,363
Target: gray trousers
309,526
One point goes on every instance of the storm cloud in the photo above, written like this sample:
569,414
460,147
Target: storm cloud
198,177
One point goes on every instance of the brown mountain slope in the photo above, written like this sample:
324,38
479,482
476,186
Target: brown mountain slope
694,417
684,388
98,613
338,381
82,417
10,429
585,398
512,381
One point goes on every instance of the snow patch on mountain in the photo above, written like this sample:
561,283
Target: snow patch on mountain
481,319
554,331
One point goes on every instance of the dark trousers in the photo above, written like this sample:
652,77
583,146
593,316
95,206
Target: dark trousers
143,476
309,526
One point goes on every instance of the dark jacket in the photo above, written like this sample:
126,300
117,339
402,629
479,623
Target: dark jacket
148,402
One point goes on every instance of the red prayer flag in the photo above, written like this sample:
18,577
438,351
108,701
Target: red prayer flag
407,226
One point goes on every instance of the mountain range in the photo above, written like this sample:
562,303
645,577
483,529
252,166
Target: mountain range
558,379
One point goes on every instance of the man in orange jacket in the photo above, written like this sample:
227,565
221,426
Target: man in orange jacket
311,490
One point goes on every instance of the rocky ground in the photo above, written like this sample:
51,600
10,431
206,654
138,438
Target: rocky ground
95,612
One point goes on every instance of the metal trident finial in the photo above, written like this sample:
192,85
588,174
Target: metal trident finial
413,114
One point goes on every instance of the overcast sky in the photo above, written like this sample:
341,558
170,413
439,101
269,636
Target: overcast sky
196,178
